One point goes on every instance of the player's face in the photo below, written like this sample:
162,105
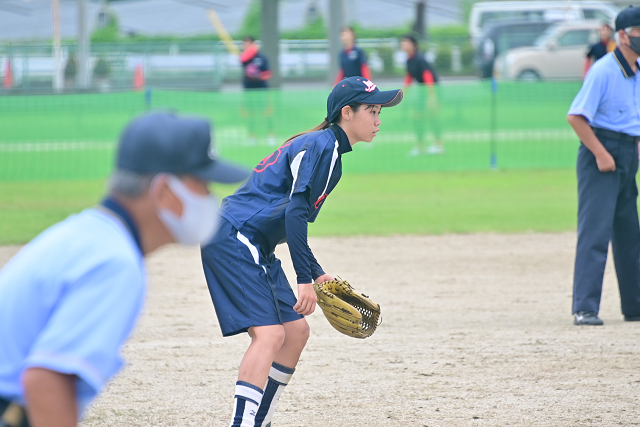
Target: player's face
407,46
605,33
366,122
346,37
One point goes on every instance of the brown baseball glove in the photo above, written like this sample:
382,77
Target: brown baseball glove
350,312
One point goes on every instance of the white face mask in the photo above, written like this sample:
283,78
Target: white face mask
200,216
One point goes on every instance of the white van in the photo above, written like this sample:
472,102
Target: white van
484,13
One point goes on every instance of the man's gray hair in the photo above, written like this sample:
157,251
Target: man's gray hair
129,184
627,30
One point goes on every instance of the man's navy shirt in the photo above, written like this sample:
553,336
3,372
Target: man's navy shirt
597,51
285,191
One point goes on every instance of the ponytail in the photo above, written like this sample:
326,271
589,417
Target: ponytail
322,126
325,124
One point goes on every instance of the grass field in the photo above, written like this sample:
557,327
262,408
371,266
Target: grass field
56,151
362,204
73,136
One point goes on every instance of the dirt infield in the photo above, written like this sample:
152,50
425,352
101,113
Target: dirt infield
476,332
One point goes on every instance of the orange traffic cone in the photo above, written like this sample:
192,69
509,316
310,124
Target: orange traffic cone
138,78
7,81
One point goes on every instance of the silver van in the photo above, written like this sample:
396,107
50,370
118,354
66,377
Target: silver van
558,54
485,13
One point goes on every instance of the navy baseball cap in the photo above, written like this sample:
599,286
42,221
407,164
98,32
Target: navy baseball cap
164,143
359,89
629,17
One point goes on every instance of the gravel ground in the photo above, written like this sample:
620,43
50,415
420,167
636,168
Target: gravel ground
477,331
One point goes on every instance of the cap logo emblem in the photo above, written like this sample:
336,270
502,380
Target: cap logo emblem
370,86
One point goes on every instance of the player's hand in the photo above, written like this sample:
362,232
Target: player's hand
605,162
325,278
307,299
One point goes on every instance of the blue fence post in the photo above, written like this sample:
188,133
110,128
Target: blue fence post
147,97
494,113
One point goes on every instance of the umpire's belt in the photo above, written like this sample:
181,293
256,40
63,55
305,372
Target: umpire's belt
616,136
12,414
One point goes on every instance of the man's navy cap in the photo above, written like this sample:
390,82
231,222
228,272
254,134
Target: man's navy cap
359,89
629,17
164,143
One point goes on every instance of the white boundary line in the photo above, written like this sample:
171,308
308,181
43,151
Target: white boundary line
18,147
233,138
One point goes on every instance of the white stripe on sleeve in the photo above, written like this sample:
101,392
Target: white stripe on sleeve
333,163
295,166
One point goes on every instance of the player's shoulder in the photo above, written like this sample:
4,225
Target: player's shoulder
423,60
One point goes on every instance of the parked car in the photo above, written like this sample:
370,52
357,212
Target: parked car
499,38
491,12
558,54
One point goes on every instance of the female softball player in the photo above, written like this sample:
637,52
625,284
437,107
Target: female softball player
283,193
423,100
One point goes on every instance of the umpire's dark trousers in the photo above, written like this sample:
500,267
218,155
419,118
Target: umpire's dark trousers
607,212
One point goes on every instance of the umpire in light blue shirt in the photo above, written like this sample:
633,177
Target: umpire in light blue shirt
606,117
70,298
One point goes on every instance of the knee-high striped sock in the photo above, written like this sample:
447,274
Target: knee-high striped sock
279,377
247,402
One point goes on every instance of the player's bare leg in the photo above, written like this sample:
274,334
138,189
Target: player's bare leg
282,369
266,341
296,335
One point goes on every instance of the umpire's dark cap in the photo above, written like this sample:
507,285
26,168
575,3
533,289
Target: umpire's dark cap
359,89
629,17
164,143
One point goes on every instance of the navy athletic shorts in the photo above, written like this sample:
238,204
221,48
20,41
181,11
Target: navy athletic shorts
248,287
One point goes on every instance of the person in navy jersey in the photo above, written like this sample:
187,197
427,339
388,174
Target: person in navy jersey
285,192
353,60
255,80
424,100
70,298
605,115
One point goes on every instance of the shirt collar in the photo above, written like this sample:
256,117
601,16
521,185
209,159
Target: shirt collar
624,65
119,211
343,141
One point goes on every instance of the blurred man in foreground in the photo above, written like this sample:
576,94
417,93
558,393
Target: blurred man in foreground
70,298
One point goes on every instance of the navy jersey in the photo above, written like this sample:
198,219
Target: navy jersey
304,170
420,69
256,70
352,61
600,49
